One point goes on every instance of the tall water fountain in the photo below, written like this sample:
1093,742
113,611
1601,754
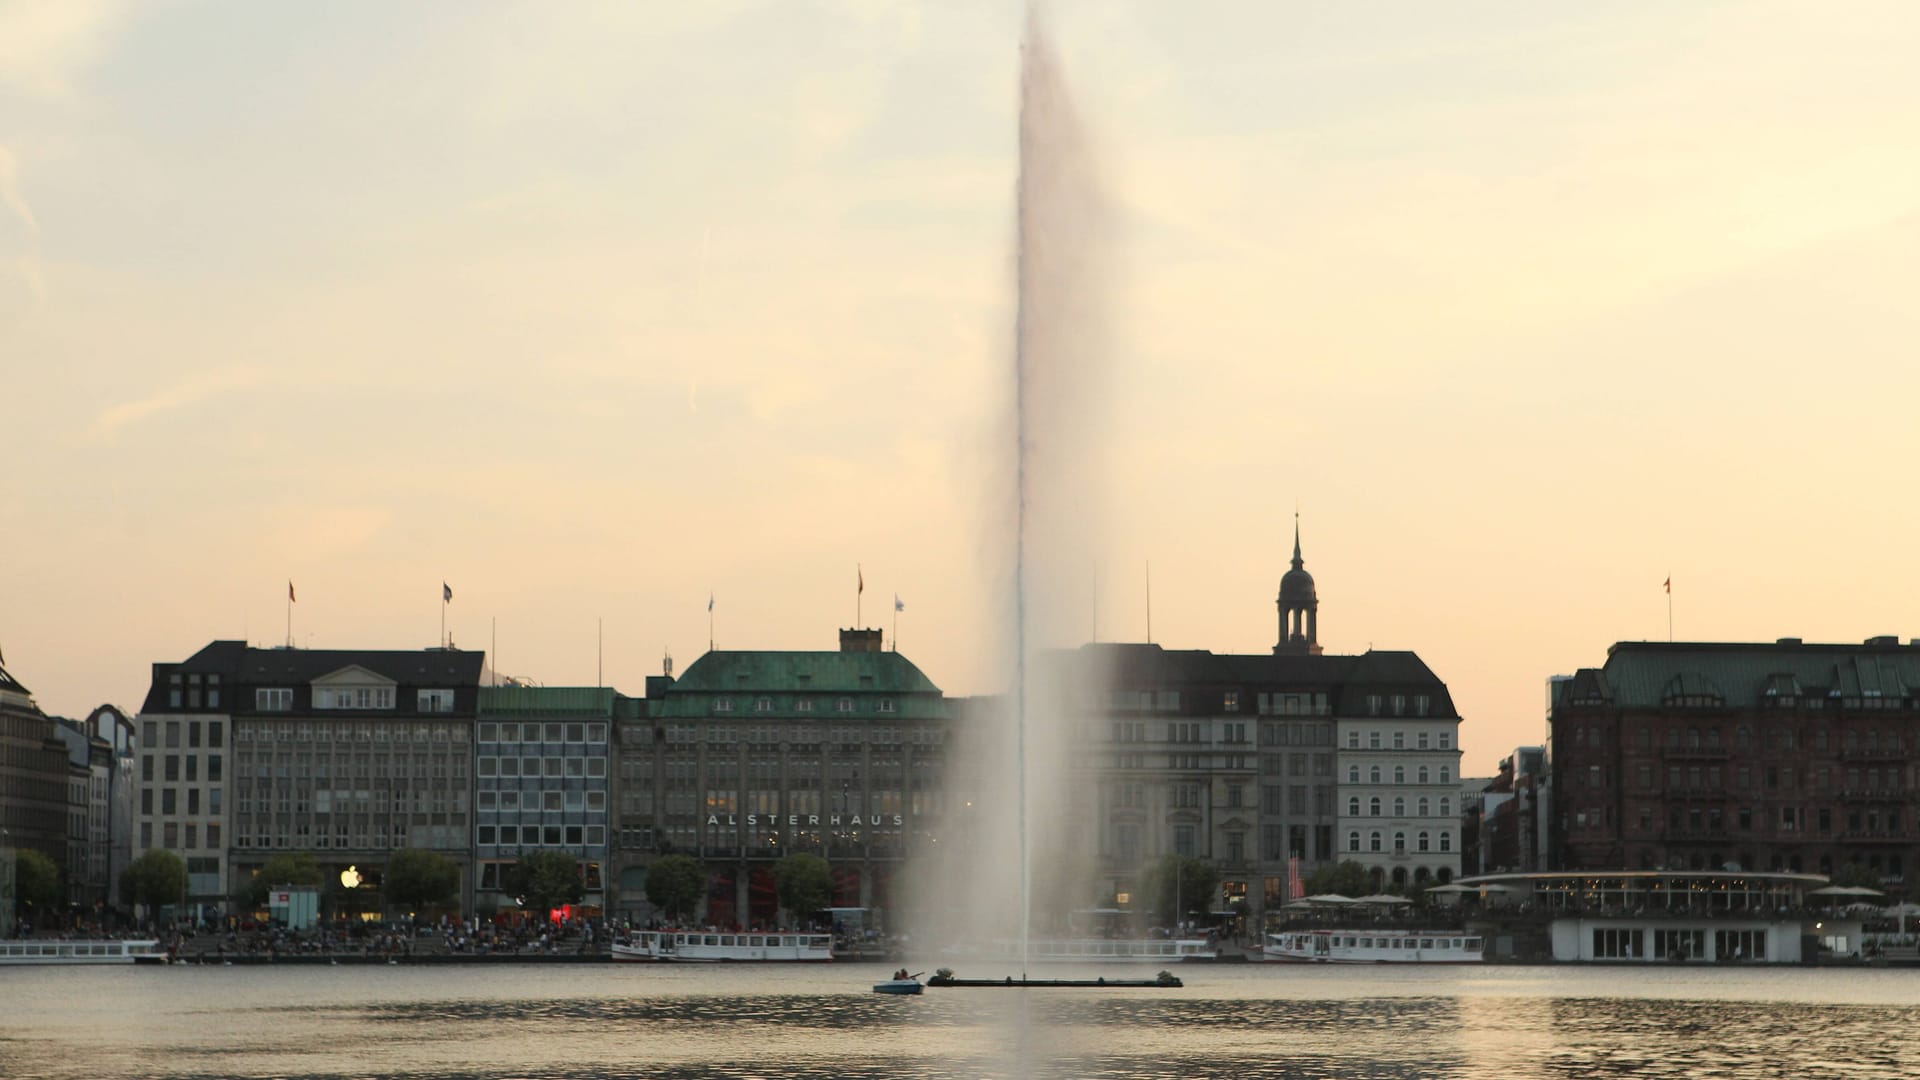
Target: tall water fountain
1044,541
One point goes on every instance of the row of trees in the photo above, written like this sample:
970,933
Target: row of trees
677,883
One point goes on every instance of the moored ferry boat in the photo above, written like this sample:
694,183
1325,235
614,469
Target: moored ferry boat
1375,947
710,947
1098,950
82,952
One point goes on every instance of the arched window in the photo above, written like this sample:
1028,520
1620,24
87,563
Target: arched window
1399,875
1421,874
1353,774
1424,806
1373,775
1399,806
1445,875
1446,806
1421,840
1399,774
1353,806
1399,841
1446,840
1353,841
1424,775
1373,806
1373,839
1446,774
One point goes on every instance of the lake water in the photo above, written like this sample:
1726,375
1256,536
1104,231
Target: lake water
531,1020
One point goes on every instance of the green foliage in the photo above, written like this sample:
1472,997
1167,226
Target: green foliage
545,880
36,879
1179,886
1856,875
804,884
155,879
676,884
287,868
418,879
1347,879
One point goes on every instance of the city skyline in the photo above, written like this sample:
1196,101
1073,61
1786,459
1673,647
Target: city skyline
1525,311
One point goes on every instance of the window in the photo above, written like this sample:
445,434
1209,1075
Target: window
1373,841
1231,702
1373,740
1424,806
1353,806
1421,841
723,704
1353,774
273,699
1373,806
1353,841
1446,840
763,704
1421,741
1399,774
886,705
1353,740
844,705
1446,774
1424,775
436,701
1400,806
1446,740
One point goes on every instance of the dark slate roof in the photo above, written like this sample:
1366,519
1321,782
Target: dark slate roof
1643,674
239,664
12,685
827,672
1346,679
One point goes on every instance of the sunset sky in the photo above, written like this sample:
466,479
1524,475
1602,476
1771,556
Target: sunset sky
593,310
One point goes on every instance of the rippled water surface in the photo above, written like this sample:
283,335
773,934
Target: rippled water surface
744,1021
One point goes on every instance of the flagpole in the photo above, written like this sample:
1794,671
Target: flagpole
859,589
1669,608
443,615
289,614
896,624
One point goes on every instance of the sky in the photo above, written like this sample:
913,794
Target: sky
593,312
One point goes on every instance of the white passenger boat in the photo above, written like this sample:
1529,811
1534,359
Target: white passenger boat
81,952
711,947
1375,947
1097,950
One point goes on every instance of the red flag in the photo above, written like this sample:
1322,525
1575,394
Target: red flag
290,592
1669,584
863,578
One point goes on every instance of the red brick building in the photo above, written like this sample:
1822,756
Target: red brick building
1782,756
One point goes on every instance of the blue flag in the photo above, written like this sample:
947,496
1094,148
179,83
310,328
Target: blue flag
897,605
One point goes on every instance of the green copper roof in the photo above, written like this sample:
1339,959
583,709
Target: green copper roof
582,701
785,678
1645,674
809,672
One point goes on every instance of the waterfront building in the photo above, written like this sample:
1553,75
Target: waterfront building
1269,766
1785,757
1504,816
90,761
112,724
350,754
541,782
750,756
36,797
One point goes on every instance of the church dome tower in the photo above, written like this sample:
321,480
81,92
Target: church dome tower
1299,607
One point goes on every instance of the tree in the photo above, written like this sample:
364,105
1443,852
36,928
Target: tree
545,880
676,884
804,884
1856,875
420,879
1178,885
155,879
36,880
1346,879
288,868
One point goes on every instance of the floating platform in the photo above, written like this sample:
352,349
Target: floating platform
1161,981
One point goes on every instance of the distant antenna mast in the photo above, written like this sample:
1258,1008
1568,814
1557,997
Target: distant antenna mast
600,652
1149,601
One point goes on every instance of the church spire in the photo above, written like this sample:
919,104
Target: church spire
1299,605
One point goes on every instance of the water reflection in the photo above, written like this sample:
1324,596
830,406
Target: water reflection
443,1024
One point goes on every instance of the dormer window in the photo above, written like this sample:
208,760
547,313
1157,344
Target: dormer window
724,704
440,701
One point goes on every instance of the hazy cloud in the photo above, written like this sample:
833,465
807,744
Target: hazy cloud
191,392
28,261
44,44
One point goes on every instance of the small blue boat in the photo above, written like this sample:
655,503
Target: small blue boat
902,983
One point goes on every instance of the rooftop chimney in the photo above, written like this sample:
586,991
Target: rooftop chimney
859,640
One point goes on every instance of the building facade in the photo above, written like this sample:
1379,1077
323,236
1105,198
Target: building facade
1269,766
348,754
1787,757
542,783
749,757
36,795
